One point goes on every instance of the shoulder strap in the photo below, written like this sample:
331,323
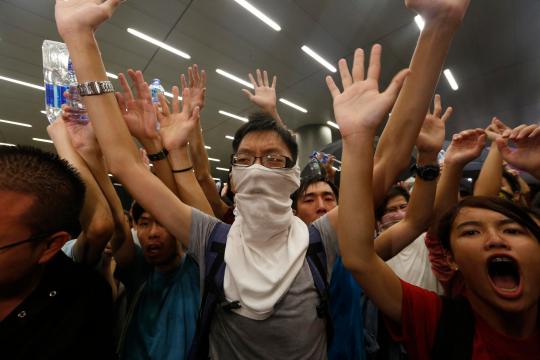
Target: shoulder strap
316,259
455,330
212,289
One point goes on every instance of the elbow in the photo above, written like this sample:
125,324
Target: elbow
353,264
100,231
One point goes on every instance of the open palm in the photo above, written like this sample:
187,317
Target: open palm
75,16
465,146
431,136
176,126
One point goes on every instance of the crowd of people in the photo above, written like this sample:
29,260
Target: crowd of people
274,268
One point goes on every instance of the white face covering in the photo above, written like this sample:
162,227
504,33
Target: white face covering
267,244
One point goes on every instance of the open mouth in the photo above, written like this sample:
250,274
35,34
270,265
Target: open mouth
504,274
153,249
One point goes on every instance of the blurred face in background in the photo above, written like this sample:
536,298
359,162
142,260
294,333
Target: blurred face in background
394,212
317,200
159,247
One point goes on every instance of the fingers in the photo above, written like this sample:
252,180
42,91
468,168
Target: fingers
397,82
203,79
274,81
143,92
175,101
259,78
252,79
346,78
196,76
191,76
128,95
183,82
374,70
248,93
515,132
437,107
504,149
121,101
526,132
185,104
265,78
332,87
110,6
447,114
358,65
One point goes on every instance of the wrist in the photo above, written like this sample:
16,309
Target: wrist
151,145
426,158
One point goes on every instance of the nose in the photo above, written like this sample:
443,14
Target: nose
321,208
495,241
154,231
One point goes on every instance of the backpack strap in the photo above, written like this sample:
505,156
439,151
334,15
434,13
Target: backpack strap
316,259
455,330
212,290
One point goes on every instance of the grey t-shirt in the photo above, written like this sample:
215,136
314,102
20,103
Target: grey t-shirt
292,332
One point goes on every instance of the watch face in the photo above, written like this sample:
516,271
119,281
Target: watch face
429,172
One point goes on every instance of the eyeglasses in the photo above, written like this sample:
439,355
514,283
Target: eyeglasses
30,239
272,161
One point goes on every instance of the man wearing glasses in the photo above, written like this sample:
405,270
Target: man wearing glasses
49,306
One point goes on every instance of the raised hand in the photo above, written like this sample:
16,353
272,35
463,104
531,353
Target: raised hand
265,93
197,87
495,129
176,126
439,9
431,136
78,16
465,147
360,107
138,112
525,152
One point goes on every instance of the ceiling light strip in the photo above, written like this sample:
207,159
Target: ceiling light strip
318,58
259,14
15,123
231,115
24,83
293,105
332,124
158,43
234,78
43,140
451,80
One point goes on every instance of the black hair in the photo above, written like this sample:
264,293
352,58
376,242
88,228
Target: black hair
518,213
56,187
512,181
306,183
261,121
395,191
136,211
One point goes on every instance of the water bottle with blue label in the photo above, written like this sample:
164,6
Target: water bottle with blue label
55,68
155,89
75,101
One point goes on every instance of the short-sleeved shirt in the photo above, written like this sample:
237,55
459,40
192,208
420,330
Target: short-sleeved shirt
163,313
419,319
294,331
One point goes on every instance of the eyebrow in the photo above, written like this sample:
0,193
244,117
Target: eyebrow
478,223
265,152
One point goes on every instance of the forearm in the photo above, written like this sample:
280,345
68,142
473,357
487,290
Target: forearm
161,168
490,177
189,190
447,191
111,131
412,104
199,156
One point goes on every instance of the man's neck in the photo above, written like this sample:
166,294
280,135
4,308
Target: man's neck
170,265
13,295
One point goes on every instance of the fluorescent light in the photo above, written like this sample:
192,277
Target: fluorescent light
217,179
233,116
207,147
229,137
222,169
451,79
419,22
212,159
43,112
117,184
158,43
318,58
110,175
6,144
168,94
19,82
332,124
42,140
111,75
15,123
293,105
234,78
263,17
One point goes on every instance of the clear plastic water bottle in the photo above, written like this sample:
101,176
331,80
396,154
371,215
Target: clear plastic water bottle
155,89
55,66
440,157
79,110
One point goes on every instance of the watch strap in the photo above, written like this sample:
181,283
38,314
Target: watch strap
426,172
91,88
161,155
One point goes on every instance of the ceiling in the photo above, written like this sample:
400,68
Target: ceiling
493,57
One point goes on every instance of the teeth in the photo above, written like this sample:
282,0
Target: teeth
501,259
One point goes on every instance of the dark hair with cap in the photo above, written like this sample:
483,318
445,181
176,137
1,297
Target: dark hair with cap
261,121
518,213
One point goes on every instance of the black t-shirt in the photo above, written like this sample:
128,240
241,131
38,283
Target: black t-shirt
68,316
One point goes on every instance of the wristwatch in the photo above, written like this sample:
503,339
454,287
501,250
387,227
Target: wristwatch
95,88
161,155
426,172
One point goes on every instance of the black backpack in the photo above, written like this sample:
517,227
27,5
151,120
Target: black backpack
213,293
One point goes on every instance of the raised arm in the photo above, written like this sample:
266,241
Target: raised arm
442,20
140,116
264,95
359,109
525,154
95,218
176,126
76,22
490,178
420,210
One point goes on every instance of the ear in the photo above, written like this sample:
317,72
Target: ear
53,246
451,262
